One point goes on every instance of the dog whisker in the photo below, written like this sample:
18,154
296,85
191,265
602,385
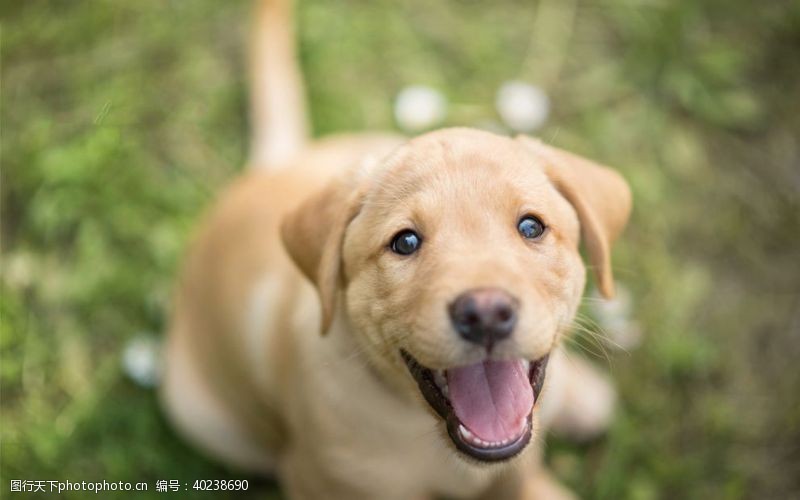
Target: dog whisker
597,331
602,353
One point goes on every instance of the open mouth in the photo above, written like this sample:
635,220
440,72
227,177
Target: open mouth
487,405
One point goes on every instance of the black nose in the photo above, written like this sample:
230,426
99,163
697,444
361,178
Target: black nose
484,315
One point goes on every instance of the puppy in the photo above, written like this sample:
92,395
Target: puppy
368,316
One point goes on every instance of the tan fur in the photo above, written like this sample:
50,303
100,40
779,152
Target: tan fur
278,116
289,252
339,416
586,185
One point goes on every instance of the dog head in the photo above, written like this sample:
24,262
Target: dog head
456,260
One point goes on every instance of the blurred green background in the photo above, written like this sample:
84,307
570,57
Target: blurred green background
120,120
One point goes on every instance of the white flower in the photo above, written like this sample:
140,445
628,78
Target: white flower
522,106
418,108
141,360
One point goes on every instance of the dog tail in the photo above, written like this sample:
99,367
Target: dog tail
278,108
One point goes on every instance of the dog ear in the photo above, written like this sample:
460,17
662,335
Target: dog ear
601,198
313,234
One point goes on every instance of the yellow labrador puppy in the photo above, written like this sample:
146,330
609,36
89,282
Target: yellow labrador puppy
373,317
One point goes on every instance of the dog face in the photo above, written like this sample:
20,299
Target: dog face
456,260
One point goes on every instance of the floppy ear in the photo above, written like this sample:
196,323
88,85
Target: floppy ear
313,234
601,198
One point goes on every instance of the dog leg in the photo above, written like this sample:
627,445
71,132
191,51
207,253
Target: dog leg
579,402
525,483
202,419
541,485
302,478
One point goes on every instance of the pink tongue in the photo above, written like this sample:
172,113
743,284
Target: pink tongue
492,399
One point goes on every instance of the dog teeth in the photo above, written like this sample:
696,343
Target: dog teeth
475,440
441,382
526,364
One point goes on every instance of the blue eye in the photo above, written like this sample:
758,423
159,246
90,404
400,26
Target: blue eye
406,242
530,227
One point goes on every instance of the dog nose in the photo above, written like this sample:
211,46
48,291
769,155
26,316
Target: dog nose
484,315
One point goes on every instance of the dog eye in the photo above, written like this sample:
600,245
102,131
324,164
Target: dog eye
530,227
406,242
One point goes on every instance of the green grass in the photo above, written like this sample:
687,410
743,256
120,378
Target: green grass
120,120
